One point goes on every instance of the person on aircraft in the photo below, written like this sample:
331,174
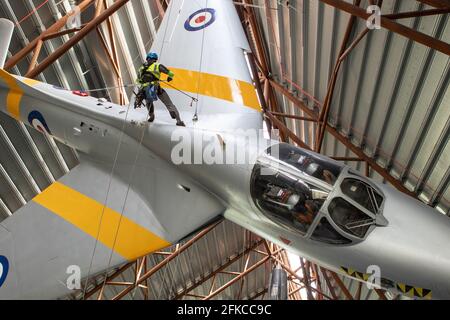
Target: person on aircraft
329,177
149,79
277,193
316,170
306,212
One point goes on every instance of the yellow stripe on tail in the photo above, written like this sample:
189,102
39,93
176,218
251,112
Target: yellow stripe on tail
237,91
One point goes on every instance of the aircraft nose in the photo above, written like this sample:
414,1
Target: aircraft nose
416,243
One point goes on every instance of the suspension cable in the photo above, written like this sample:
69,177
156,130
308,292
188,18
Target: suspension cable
195,117
116,156
194,99
129,180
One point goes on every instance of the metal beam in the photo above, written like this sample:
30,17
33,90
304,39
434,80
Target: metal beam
344,52
92,291
285,115
346,159
243,274
157,267
282,127
381,294
74,60
328,282
61,33
57,26
19,161
75,39
5,208
19,196
307,279
415,14
295,275
318,282
437,3
393,26
341,285
261,59
160,9
344,140
218,270
259,294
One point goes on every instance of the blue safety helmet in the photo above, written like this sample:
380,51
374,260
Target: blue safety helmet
152,56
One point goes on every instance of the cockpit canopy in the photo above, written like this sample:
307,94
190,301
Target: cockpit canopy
309,163
315,196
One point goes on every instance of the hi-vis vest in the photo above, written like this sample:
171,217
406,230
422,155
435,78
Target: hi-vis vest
152,69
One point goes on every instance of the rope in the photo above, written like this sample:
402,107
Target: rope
194,99
129,182
107,88
165,30
195,117
31,13
116,156
126,196
136,157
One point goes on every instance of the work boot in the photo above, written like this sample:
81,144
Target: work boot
151,111
173,115
180,123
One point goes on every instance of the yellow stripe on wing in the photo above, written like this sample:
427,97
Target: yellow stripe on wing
237,91
133,241
30,82
15,93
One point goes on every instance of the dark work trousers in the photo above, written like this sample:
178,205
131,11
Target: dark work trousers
164,97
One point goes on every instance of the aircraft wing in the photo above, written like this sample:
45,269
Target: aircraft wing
95,218
121,202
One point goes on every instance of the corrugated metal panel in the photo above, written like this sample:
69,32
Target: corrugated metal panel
218,247
391,99
24,172
392,94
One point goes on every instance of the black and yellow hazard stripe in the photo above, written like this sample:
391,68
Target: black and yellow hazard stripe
407,290
353,273
412,291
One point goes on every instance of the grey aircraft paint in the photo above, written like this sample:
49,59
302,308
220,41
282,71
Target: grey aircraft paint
127,166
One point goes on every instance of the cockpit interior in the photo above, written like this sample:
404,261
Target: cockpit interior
315,197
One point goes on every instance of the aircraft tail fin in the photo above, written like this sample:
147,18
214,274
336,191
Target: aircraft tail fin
204,44
6,32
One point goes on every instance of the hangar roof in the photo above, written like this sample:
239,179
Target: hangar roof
389,108
391,94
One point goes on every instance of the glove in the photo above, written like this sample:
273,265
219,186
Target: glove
169,79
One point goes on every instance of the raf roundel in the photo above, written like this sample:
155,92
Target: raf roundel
38,122
4,268
200,19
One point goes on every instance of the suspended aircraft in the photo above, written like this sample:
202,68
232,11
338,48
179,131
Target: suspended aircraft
138,189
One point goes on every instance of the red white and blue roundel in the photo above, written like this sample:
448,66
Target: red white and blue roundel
38,122
200,19
4,268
